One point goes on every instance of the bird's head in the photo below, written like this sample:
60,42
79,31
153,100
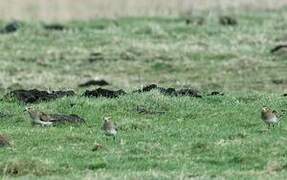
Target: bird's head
31,110
28,109
265,109
107,119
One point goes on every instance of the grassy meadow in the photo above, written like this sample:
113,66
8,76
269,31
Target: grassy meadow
219,137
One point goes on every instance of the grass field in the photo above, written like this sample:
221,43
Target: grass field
203,138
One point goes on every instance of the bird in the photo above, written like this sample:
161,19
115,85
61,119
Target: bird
278,47
51,119
269,116
109,127
38,117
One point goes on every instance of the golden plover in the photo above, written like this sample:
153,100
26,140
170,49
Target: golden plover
109,127
38,117
270,117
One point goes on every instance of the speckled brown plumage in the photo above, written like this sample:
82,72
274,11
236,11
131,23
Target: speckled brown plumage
109,127
269,116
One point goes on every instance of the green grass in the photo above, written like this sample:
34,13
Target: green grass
135,51
214,136
211,137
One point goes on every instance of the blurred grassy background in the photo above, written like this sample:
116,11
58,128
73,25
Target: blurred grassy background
59,10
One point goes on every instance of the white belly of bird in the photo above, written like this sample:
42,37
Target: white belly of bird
273,120
111,132
42,122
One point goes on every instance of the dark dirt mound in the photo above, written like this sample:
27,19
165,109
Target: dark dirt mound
104,93
34,95
227,21
148,88
54,27
96,56
285,95
4,141
279,81
166,91
278,47
189,92
11,27
94,83
170,91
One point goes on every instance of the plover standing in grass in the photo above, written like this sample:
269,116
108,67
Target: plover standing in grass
36,117
109,127
270,117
